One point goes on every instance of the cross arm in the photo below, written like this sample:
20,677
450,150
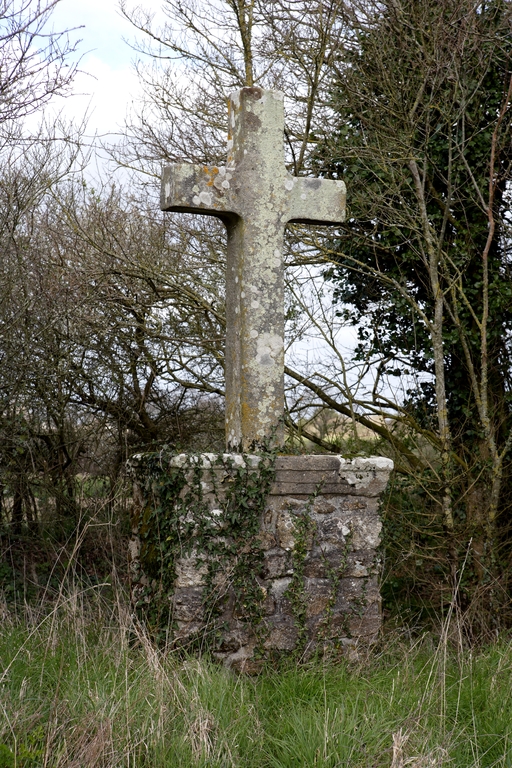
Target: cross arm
315,201
204,189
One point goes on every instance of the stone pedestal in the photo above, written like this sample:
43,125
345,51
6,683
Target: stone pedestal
312,558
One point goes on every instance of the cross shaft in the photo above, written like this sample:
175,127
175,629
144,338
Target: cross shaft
256,197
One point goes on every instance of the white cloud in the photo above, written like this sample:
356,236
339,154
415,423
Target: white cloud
105,93
107,84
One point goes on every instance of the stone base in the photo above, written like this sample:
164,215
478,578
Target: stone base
317,566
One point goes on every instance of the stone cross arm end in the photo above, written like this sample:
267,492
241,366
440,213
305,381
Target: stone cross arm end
215,191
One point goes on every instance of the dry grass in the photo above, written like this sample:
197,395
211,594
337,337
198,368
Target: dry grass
82,685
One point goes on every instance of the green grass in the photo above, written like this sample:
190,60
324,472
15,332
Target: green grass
83,686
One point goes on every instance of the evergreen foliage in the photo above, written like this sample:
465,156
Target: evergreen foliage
422,266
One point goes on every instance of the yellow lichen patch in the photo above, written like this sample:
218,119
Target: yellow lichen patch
255,196
211,172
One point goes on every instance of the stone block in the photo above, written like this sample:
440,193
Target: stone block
187,604
318,463
366,533
356,506
324,561
334,530
235,638
277,563
366,476
304,475
328,560
338,569
367,625
282,633
266,540
362,564
280,597
304,490
325,627
318,594
269,604
279,503
286,530
190,571
186,630
323,506
355,595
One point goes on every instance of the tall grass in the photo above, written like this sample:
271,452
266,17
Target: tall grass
82,685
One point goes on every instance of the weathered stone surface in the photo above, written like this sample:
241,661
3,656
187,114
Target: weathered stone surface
308,477
189,571
277,563
355,506
329,560
282,633
366,476
331,579
280,503
362,563
366,625
279,588
366,533
356,594
286,531
256,197
236,638
213,461
323,506
318,463
323,561
333,475
187,629
334,530
267,540
187,604
269,604
318,595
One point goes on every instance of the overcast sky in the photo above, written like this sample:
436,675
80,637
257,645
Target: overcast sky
108,84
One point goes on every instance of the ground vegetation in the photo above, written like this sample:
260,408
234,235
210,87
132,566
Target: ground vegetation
113,315
84,685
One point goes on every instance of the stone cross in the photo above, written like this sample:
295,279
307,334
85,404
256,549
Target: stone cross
256,197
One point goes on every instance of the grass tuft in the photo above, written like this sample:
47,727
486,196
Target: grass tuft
82,686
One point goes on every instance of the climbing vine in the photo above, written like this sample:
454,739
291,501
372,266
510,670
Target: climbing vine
206,508
304,531
223,567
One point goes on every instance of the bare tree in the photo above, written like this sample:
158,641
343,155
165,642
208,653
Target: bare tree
34,67
34,59
425,109
137,334
205,51
410,103
201,54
